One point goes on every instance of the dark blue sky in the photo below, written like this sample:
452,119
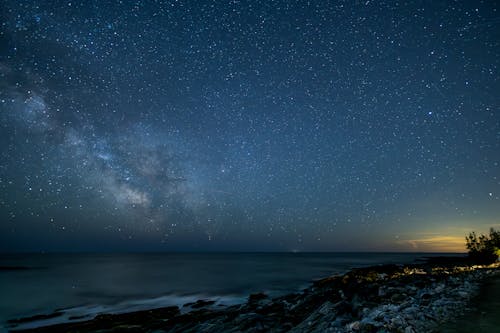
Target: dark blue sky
248,125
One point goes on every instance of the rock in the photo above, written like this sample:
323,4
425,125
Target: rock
397,321
375,314
439,289
316,320
409,329
411,310
369,322
354,326
357,304
252,320
286,326
343,307
201,303
397,298
368,328
256,297
326,308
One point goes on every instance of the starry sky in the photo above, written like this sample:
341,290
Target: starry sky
252,125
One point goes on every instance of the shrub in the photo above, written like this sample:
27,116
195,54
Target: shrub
484,249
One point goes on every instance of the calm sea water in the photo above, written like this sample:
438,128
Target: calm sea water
86,284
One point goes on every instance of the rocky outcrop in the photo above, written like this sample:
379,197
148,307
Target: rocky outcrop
389,298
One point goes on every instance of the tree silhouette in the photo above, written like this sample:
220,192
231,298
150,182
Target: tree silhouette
484,249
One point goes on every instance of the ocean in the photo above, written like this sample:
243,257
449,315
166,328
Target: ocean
82,285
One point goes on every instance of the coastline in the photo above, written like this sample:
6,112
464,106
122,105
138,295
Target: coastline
386,298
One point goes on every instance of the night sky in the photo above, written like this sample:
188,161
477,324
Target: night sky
248,125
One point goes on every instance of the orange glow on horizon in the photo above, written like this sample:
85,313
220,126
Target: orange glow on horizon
435,244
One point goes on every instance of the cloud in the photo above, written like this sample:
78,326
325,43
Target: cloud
435,243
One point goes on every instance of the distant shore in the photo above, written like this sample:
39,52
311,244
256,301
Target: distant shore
386,298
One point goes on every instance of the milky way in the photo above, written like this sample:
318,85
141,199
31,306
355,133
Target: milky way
248,125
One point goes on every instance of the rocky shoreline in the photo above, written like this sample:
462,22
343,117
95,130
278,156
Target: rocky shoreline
387,298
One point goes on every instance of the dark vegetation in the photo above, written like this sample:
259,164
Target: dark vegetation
484,249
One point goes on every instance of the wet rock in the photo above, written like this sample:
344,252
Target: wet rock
200,304
256,297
